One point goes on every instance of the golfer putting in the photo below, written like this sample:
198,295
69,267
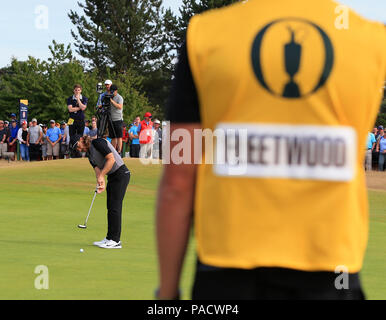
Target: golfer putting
106,161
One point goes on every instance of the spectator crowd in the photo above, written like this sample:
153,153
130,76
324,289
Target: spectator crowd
140,139
376,149
40,142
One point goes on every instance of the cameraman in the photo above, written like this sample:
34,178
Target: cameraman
116,114
76,105
108,84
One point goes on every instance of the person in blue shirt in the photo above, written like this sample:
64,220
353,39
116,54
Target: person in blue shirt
371,142
13,117
53,137
381,147
134,137
12,137
64,141
86,128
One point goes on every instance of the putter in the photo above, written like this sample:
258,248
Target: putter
84,226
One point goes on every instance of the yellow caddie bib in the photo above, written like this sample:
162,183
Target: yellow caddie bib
292,97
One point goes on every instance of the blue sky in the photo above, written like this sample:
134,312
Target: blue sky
21,37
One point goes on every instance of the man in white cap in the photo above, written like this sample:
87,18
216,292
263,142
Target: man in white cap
108,84
35,137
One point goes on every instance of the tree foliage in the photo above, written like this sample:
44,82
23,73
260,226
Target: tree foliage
381,119
126,37
47,85
135,36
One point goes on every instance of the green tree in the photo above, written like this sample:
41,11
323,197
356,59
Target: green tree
121,34
27,80
381,119
126,37
135,103
47,85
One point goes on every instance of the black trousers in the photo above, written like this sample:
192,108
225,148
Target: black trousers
134,150
117,183
77,128
115,129
213,283
34,152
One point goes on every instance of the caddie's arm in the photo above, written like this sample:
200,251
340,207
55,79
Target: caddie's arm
174,215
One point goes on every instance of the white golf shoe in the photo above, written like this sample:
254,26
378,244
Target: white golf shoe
99,243
111,244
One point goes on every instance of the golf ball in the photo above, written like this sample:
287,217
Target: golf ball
81,250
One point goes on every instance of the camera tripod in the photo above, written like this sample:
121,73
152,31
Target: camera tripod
104,118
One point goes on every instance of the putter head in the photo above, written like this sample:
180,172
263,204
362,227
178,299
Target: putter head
81,226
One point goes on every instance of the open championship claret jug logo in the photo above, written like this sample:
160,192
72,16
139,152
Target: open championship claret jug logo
292,58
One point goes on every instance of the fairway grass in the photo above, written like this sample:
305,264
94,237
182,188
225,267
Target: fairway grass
42,203
41,206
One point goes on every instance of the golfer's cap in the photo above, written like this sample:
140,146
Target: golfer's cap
63,122
380,127
52,121
13,120
6,122
34,120
147,115
157,121
13,115
113,88
108,82
23,122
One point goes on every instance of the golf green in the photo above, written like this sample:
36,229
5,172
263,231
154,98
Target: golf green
42,204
